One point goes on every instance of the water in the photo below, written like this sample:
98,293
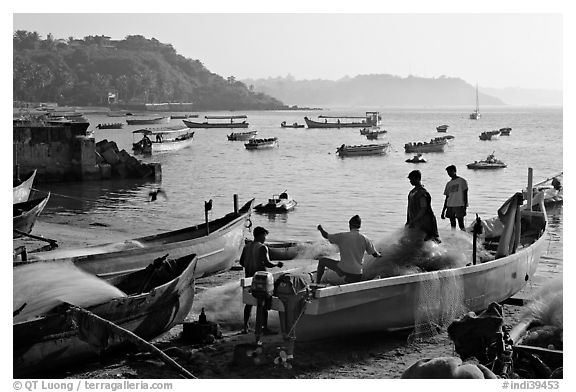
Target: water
329,189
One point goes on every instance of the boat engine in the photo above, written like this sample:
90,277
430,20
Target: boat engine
262,289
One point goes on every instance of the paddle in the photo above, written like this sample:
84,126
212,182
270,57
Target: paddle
79,315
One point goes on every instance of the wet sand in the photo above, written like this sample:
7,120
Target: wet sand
379,355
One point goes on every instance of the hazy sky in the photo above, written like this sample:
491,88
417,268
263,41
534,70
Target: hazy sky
495,50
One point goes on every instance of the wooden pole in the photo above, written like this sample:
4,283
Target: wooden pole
206,218
236,203
530,189
132,338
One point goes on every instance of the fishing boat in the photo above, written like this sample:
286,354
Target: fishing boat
278,204
25,214
489,163
505,131
445,137
442,128
418,158
490,135
434,145
149,121
156,140
552,188
260,144
363,149
293,125
110,126
375,134
476,114
386,304
238,136
231,124
21,190
158,297
371,119
217,243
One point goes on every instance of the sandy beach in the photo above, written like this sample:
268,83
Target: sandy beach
379,355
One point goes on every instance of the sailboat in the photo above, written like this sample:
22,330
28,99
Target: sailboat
476,114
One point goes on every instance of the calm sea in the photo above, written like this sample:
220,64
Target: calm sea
328,189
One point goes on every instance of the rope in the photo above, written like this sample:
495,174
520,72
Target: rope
297,319
69,197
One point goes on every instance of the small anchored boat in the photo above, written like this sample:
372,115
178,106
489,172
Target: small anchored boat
278,204
149,121
25,214
361,150
237,136
294,125
489,163
476,114
375,134
442,128
231,124
110,126
434,145
505,131
371,119
489,135
260,144
418,158
162,139
182,116
22,189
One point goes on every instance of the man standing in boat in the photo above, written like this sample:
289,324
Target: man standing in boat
255,258
456,201
420,215
352,246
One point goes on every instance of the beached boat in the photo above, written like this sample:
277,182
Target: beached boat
158,298
25,214
260,144
393,303
489,135
434,145
489,163
418,158
231,124
149,121
362,149
372,119
278,204
442,128
294,125
21,190
237,136
375,134
110,126
505,131
217,244
476,114
162,139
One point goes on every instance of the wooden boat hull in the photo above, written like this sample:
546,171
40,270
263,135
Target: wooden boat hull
319,124
292,126
192,124
148,121
485,166
53,341
261,146
280,207
474,116
489,136
436,147
110,126
179,143
375,135
392,303
21,192
216,251
442,128
373,149
241,136
26,213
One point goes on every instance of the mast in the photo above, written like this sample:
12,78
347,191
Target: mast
477,105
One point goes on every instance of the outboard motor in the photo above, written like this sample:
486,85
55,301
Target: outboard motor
262,289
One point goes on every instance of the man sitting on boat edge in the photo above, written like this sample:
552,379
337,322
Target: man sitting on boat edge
352,246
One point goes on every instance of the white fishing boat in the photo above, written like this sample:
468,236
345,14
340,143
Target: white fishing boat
261,144
163,139
490,135
361,150
393,303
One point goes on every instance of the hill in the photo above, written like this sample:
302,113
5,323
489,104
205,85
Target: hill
526,97
374,90
135,70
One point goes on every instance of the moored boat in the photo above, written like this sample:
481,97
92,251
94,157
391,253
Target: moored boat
363,149
162,139
158,297
206,124
317,312
476,114
372,119
110,126
259,144
242,136
418,158
182,116
278,204
22,189
505,131
375,134
489,163
489,135
434,145
217,244
442,128
149,121
294,125
552,188
24,214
